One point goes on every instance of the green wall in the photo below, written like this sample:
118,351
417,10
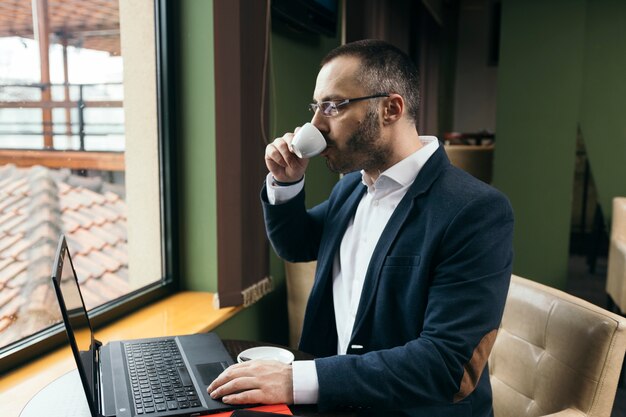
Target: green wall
539,77
561,67
603,103
197,209
295,61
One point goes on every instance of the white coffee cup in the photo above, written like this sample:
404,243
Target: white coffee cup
308,141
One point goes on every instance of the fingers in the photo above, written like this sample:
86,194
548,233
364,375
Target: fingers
280,153
282,162
264,382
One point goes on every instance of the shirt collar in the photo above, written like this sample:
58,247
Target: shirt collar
404,172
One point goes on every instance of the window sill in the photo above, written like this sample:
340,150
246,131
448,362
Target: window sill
182,313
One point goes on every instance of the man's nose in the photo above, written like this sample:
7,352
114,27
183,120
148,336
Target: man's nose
320,122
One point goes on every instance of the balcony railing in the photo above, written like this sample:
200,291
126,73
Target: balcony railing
77,100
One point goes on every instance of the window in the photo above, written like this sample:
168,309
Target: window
84,151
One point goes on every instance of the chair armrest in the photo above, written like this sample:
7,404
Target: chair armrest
568,412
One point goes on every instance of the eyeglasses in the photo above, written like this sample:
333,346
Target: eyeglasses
331,108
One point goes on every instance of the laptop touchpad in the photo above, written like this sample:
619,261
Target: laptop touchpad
209,371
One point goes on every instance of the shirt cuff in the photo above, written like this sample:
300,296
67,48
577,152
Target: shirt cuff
305,385
277,194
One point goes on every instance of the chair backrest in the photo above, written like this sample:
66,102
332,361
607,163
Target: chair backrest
555,352
474,159
299,277
616,273
618,222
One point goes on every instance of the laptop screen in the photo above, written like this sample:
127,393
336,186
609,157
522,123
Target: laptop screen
77,324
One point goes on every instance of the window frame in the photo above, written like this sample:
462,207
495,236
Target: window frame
20,352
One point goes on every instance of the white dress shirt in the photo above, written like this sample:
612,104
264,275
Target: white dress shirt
355,252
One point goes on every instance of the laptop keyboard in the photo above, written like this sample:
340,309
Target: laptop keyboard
159,379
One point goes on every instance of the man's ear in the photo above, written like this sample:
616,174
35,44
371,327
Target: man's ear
393,109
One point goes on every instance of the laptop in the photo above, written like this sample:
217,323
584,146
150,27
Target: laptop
164,376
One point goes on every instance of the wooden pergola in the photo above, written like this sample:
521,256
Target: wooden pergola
91,24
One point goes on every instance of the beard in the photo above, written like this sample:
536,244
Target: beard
363,150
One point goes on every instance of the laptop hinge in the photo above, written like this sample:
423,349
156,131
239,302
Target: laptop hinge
98,384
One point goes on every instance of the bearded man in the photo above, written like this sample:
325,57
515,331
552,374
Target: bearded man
413,256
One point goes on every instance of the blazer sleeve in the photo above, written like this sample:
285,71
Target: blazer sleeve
469,279
294,232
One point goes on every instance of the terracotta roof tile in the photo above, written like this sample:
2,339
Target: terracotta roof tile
70,225
44,234
18,279
41,298
16,250
11,223
70,200
88,240
8,201
119,252
23,227
18,187
118,206
63,188
5,322
11,271
88,268
43,198
110,263
8,240
4,262
5,183
12,307
122,273
92,297
118,282
77,248
18,205
36,205
4,217
7,295
109,238
115,229
107,213
111,196
84,221
108,292
92,197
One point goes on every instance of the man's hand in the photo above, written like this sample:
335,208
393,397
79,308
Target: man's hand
283,164
254,382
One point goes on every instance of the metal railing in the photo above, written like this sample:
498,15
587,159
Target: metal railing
80,102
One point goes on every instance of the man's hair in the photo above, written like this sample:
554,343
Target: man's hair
384,69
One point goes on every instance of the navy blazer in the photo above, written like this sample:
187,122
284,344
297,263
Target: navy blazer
432,299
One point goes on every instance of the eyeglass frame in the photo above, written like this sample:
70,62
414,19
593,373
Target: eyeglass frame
335,104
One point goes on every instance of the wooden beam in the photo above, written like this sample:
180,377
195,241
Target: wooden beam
102,161
66,87
41,24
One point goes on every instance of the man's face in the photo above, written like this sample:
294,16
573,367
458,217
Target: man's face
354,135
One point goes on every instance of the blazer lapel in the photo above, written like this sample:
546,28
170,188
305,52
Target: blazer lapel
427,176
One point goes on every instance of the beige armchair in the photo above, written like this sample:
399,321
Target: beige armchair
555,355
616,274
474,159
300,277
